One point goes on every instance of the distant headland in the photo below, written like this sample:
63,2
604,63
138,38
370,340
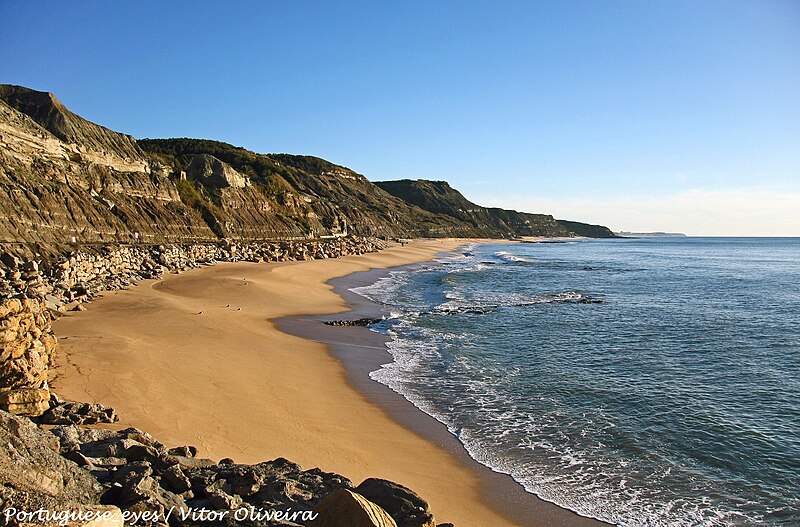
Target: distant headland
628,234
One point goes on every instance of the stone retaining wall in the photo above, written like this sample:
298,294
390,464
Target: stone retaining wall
28,350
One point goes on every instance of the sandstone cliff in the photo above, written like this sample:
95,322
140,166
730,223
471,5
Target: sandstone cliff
52,190
64,179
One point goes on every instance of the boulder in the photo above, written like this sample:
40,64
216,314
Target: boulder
71,437
344,508
29,402
175,480
221,496
190,462
130,444
34,475
185,451
245,483
135,489
402,503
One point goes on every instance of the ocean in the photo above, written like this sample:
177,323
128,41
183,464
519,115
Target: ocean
644,382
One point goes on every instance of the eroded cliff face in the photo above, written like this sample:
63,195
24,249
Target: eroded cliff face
45,109
66,180
440,198
52,191
305,195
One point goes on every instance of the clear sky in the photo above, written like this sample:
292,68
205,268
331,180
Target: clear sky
641,115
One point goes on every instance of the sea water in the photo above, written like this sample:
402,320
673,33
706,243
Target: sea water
645,382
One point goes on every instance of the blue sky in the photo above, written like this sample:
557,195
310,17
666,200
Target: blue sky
641,115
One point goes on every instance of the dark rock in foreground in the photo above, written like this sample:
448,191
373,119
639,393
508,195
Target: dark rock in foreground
131,473
405,506
34,475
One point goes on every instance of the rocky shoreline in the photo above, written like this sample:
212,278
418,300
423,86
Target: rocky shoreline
128,475
133,478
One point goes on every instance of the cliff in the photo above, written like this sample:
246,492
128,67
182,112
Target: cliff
94,185
51,114
312,197
587,229
64,179
440,198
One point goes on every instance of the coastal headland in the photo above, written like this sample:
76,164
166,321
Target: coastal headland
197,359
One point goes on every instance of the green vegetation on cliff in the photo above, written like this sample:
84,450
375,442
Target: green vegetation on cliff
587,229
63,177
440,198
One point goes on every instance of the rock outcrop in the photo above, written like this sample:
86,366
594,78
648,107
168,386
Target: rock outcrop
363,322
138,473
403,504
129,474
71,412
212,172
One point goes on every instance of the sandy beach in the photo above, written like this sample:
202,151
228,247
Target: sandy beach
197,359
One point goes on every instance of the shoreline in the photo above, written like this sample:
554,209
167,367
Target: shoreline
242,398
362,351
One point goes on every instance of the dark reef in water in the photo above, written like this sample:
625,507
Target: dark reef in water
357,322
